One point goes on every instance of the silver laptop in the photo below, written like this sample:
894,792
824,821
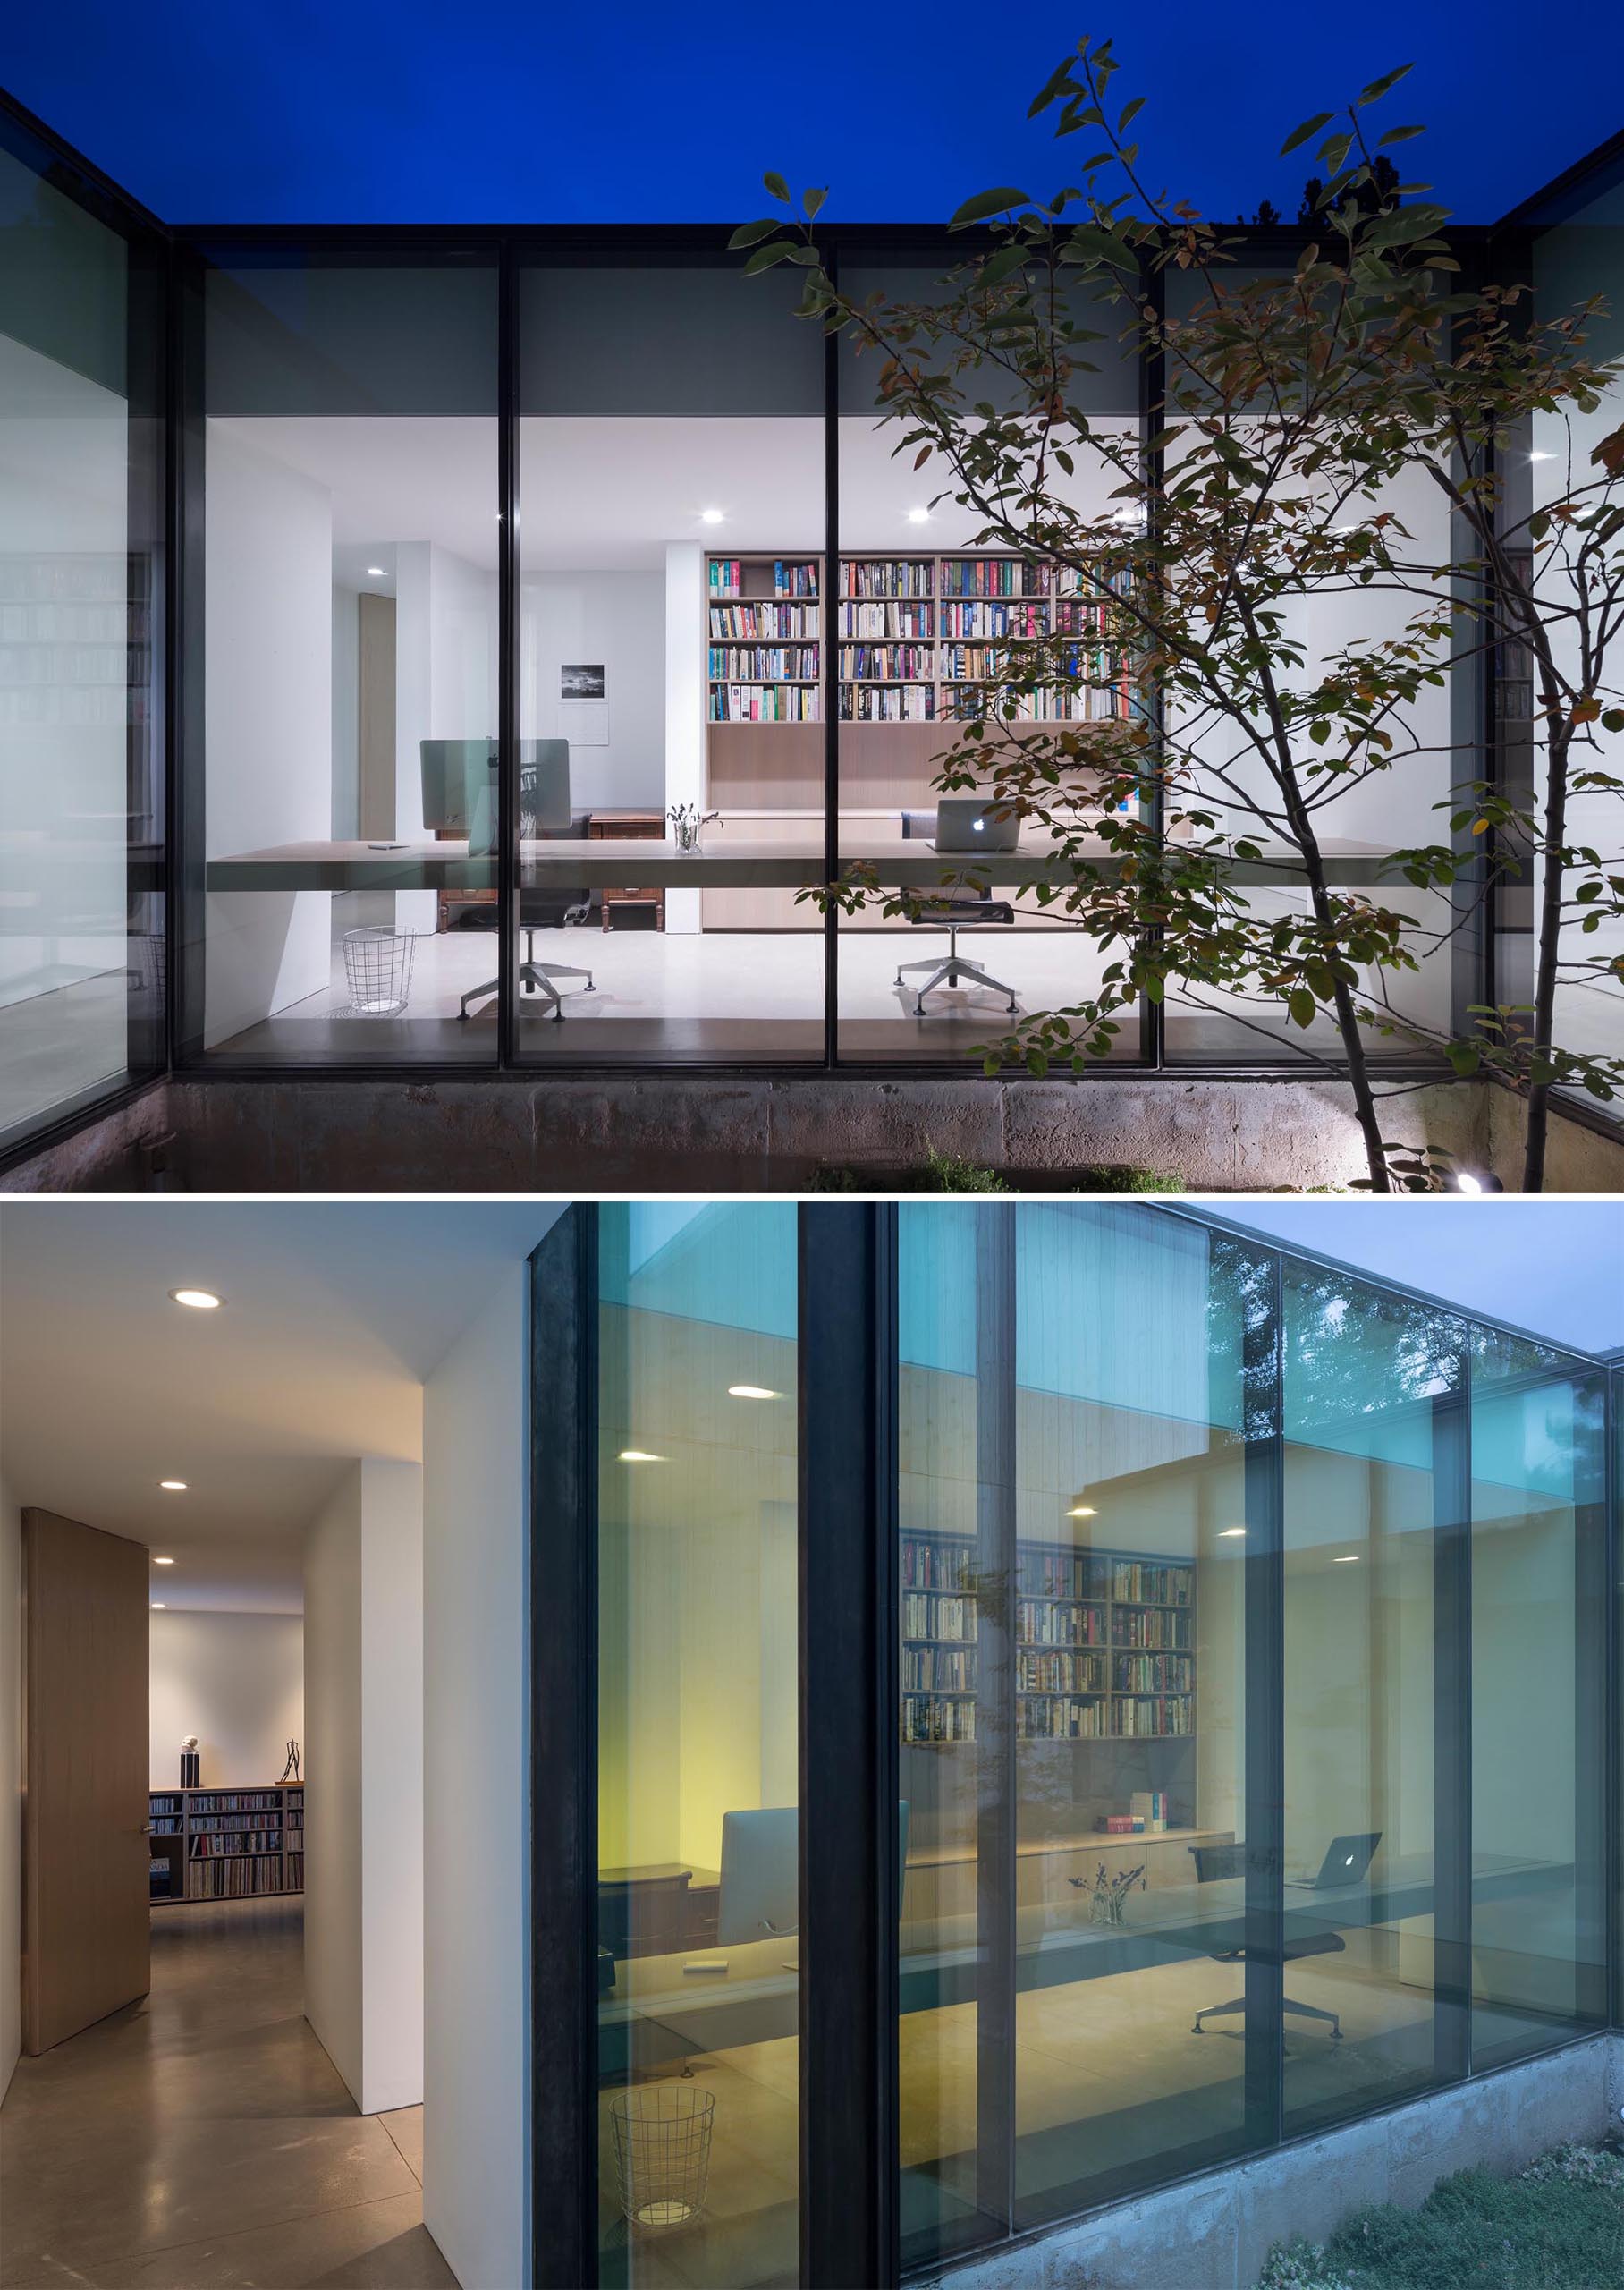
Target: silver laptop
970,823
1346,1861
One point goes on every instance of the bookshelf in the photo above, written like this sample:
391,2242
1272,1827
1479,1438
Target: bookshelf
1104,1644
226,1843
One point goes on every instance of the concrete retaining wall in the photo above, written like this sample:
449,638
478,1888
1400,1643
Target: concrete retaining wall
1215,2233
673,1132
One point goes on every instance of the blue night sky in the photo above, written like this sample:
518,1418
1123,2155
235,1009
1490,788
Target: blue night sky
351,110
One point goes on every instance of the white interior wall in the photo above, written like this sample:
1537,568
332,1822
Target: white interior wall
364,1787
617,618
234,1679
476,2116
446,680
687,603
346,712
11,1785
268,720
332,1780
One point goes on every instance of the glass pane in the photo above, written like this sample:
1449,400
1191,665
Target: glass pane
926,609
698,1963
1538,1811
81,794
1366,1468
349,588
670,662
1072,1528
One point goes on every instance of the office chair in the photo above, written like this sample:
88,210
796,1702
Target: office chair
1216,1861
971,911
466,768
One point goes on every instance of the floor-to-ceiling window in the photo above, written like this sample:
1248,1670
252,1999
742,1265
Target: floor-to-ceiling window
671,627
342,800
82,970
698,1749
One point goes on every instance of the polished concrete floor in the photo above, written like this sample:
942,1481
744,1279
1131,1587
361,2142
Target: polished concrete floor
202,2139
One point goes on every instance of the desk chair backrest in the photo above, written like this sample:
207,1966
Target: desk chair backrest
759,1893
1213,1862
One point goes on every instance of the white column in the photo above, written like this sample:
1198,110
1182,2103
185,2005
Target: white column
364,1783
685,641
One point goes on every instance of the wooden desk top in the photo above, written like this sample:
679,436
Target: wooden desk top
728,861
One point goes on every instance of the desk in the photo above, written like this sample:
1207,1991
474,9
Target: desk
608,863
656,2013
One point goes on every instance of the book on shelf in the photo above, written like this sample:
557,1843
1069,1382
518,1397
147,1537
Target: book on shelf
873,703
1060,1717
937,1717
888,663
937,1614
791,580
890,621
888,576
763,663
764,703
1149,1806
1134,1582
763,621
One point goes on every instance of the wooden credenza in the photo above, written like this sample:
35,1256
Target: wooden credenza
628,827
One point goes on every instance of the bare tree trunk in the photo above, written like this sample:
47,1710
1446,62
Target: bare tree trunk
1549,952
1347,1019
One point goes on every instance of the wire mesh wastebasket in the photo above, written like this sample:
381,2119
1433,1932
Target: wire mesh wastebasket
662,2135
378,971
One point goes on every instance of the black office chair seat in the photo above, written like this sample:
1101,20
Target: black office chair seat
1218,1860
953,915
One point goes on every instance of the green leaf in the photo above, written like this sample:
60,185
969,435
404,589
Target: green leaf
812,201
1379,87
776,186
1301,134
1399,135
1054,86
986,204
1001,264
1302,1005
747,234
765,257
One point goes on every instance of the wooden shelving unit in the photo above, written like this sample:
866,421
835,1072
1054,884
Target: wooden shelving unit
202,1837
1104,1644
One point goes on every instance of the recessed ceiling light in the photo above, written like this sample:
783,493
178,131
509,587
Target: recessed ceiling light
173,1487
1225,1532
639,1455
163,1562
1082,1511
918,516
1542,457
751,1391
1349,1558
198,1300
158,1607
710,516
375,571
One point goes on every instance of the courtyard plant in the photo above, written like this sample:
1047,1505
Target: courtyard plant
1299,410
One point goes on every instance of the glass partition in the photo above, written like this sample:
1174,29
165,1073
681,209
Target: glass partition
670,646
347,574
82,968
1373,1392
698,1748
936,623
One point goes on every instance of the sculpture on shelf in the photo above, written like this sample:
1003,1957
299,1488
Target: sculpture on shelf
290,1771
188,1763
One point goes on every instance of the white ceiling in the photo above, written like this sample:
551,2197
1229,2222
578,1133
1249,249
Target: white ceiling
606,496
336,1313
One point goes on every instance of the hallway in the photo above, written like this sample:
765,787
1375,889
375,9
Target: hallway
202,2139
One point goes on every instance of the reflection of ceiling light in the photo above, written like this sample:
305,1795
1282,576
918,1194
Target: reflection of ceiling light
1225,1532
639,1455
918,516
1542,457
1349,1559
173,1487
163,1562
1473,1181
375,571
710,516
751,1391
198,1300
158,1607
1082,1511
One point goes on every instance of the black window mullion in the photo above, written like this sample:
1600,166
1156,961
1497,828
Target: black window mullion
1614,1749
851,1879
1593,1693
507,655
997,1750
830,587
1452,1726
563,1356
1264,1700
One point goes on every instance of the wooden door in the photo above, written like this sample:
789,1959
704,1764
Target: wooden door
84,1838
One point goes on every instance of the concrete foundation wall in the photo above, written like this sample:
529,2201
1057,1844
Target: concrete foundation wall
673,1132
1215,2233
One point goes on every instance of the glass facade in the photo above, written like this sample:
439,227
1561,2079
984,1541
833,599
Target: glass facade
504,560
1241,1678
83,881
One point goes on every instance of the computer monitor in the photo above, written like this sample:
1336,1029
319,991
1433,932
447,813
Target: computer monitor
460,787
759,1898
